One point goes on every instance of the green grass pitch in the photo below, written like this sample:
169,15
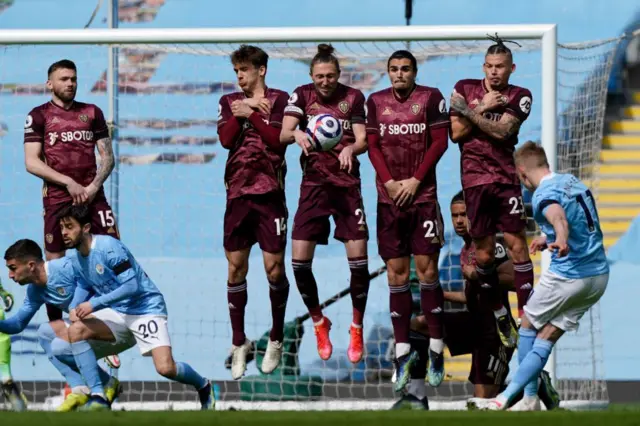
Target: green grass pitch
620,416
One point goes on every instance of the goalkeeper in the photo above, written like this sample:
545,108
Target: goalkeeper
10,390
471,330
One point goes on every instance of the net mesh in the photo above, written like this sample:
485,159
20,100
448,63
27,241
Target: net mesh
170,202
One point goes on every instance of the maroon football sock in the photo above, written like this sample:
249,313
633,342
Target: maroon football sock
432,304
489,292
523,277
308,287
359,285
400,306
237,299
278,294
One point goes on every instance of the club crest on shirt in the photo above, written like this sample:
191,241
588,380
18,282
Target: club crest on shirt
387,111
61,291
343,106
84,118
314,106
415,109
99,269
49,238
53,137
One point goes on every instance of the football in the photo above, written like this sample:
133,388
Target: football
324,132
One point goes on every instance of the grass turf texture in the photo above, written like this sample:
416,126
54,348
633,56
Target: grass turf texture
618,416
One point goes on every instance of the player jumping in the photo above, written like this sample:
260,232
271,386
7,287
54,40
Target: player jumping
131,308
60,139
407,129
486,116
330,188
577,277
52,282
249,125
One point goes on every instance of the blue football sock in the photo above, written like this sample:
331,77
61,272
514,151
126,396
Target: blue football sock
187,375
529,368
62,352
525,345
45,337
88,365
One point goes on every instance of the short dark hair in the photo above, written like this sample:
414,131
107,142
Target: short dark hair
499,47
78,212
64,64
531,151
403,54
24,249
251,54
325,56
458,198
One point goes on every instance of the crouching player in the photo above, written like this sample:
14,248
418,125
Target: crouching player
53,283
472,331
131,306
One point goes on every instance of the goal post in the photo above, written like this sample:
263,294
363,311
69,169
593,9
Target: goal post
452,50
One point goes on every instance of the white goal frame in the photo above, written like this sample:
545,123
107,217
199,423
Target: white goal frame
113,37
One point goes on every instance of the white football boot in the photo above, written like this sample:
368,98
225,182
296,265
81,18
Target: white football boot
527,404
272,356
239,359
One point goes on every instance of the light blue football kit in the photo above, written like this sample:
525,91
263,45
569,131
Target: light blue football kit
570,286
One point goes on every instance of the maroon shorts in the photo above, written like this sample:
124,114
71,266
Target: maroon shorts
495,207
318,203
256,218
416,230
103,222
489,357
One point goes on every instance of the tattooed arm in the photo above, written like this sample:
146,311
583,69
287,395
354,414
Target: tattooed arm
501,130
107,163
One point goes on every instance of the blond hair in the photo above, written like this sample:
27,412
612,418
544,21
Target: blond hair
532,155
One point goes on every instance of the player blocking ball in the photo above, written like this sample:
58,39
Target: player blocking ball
330,188
324,132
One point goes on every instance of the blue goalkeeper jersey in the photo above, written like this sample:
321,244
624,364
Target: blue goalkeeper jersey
59,292
586,256
113,274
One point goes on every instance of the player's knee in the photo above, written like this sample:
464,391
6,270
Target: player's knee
485,256
397,276
238,269
166,368
78,332
275,270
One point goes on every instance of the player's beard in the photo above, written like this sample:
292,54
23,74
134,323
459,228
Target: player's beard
65,96
73,244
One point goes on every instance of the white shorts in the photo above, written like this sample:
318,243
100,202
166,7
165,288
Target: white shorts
148,331
104,348
563,301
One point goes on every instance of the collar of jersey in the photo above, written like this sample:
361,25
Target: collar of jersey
547,177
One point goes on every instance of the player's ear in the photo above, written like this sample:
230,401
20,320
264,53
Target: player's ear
86,228
513,68
49,84
262,71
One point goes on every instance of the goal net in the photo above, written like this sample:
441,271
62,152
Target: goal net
169,198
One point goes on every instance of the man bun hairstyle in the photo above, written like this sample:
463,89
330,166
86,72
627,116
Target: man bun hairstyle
325,56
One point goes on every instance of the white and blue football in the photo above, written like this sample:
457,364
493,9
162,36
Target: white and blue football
324,132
